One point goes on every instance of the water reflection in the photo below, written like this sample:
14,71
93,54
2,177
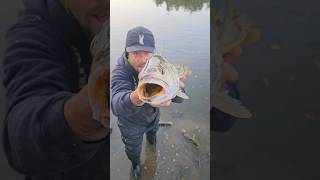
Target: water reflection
189,5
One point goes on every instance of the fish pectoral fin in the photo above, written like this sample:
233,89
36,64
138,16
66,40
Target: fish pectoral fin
182,95
229,105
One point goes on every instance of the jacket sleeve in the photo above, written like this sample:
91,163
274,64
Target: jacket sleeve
40,142
121,87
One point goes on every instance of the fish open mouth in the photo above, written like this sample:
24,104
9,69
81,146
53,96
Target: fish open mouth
150,90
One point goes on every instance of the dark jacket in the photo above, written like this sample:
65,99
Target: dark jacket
124,80
41,72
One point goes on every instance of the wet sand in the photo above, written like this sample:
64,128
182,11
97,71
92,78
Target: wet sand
174,157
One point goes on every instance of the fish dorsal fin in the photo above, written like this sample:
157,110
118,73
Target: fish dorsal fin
182,95
229,105
158,55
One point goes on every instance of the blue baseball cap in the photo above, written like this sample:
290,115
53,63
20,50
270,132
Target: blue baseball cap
140,39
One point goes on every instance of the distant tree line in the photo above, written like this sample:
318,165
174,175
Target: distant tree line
189,5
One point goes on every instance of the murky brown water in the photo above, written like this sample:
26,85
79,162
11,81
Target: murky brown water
181,30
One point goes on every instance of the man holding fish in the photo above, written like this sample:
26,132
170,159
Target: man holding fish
50,130
135,116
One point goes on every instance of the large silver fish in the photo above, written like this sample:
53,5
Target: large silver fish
224,37
99,79
159,80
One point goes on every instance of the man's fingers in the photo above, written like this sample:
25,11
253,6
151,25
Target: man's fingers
164,104
155,106
229,58
167,103
181,83
230,74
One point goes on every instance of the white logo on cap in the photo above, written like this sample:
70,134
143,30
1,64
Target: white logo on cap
141,37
